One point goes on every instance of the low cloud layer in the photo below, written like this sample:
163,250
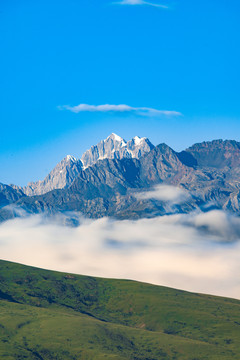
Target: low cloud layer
197,252
167,193
118,108
140,2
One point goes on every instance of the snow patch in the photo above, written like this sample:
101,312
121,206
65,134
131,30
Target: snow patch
138,140
70,157
102,157
115,137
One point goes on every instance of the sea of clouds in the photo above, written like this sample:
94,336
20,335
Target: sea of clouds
197,252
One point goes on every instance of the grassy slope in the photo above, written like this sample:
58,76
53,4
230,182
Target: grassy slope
52,315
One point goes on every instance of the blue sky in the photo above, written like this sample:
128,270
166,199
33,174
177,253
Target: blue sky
183,57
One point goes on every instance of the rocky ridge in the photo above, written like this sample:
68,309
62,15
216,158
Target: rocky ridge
115,147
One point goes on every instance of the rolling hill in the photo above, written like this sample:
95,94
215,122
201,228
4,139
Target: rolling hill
52,315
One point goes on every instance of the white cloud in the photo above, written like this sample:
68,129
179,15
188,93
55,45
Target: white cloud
118,108
195,252
139,2
166,193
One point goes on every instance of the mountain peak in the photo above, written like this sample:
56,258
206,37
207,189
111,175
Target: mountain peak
115,137
138,140
64,173
115,147
60,177
70,158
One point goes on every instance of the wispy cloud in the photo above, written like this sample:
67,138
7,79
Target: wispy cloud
139,2
118,108
166,193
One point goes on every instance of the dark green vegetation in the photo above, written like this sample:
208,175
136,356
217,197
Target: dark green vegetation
52,315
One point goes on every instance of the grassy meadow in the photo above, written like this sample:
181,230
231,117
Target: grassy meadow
52,315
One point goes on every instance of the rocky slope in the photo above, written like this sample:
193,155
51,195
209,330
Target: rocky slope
60,177
9,195
217,153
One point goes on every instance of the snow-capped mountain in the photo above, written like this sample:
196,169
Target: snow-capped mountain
115,147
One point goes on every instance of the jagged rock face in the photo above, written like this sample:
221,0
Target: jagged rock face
60,177
114,147
216,153
162,164
9,195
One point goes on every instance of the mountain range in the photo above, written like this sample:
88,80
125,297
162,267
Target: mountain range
123,178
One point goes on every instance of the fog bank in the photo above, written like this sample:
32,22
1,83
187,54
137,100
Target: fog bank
197,252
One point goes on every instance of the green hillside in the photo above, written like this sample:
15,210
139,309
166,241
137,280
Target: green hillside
59,316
